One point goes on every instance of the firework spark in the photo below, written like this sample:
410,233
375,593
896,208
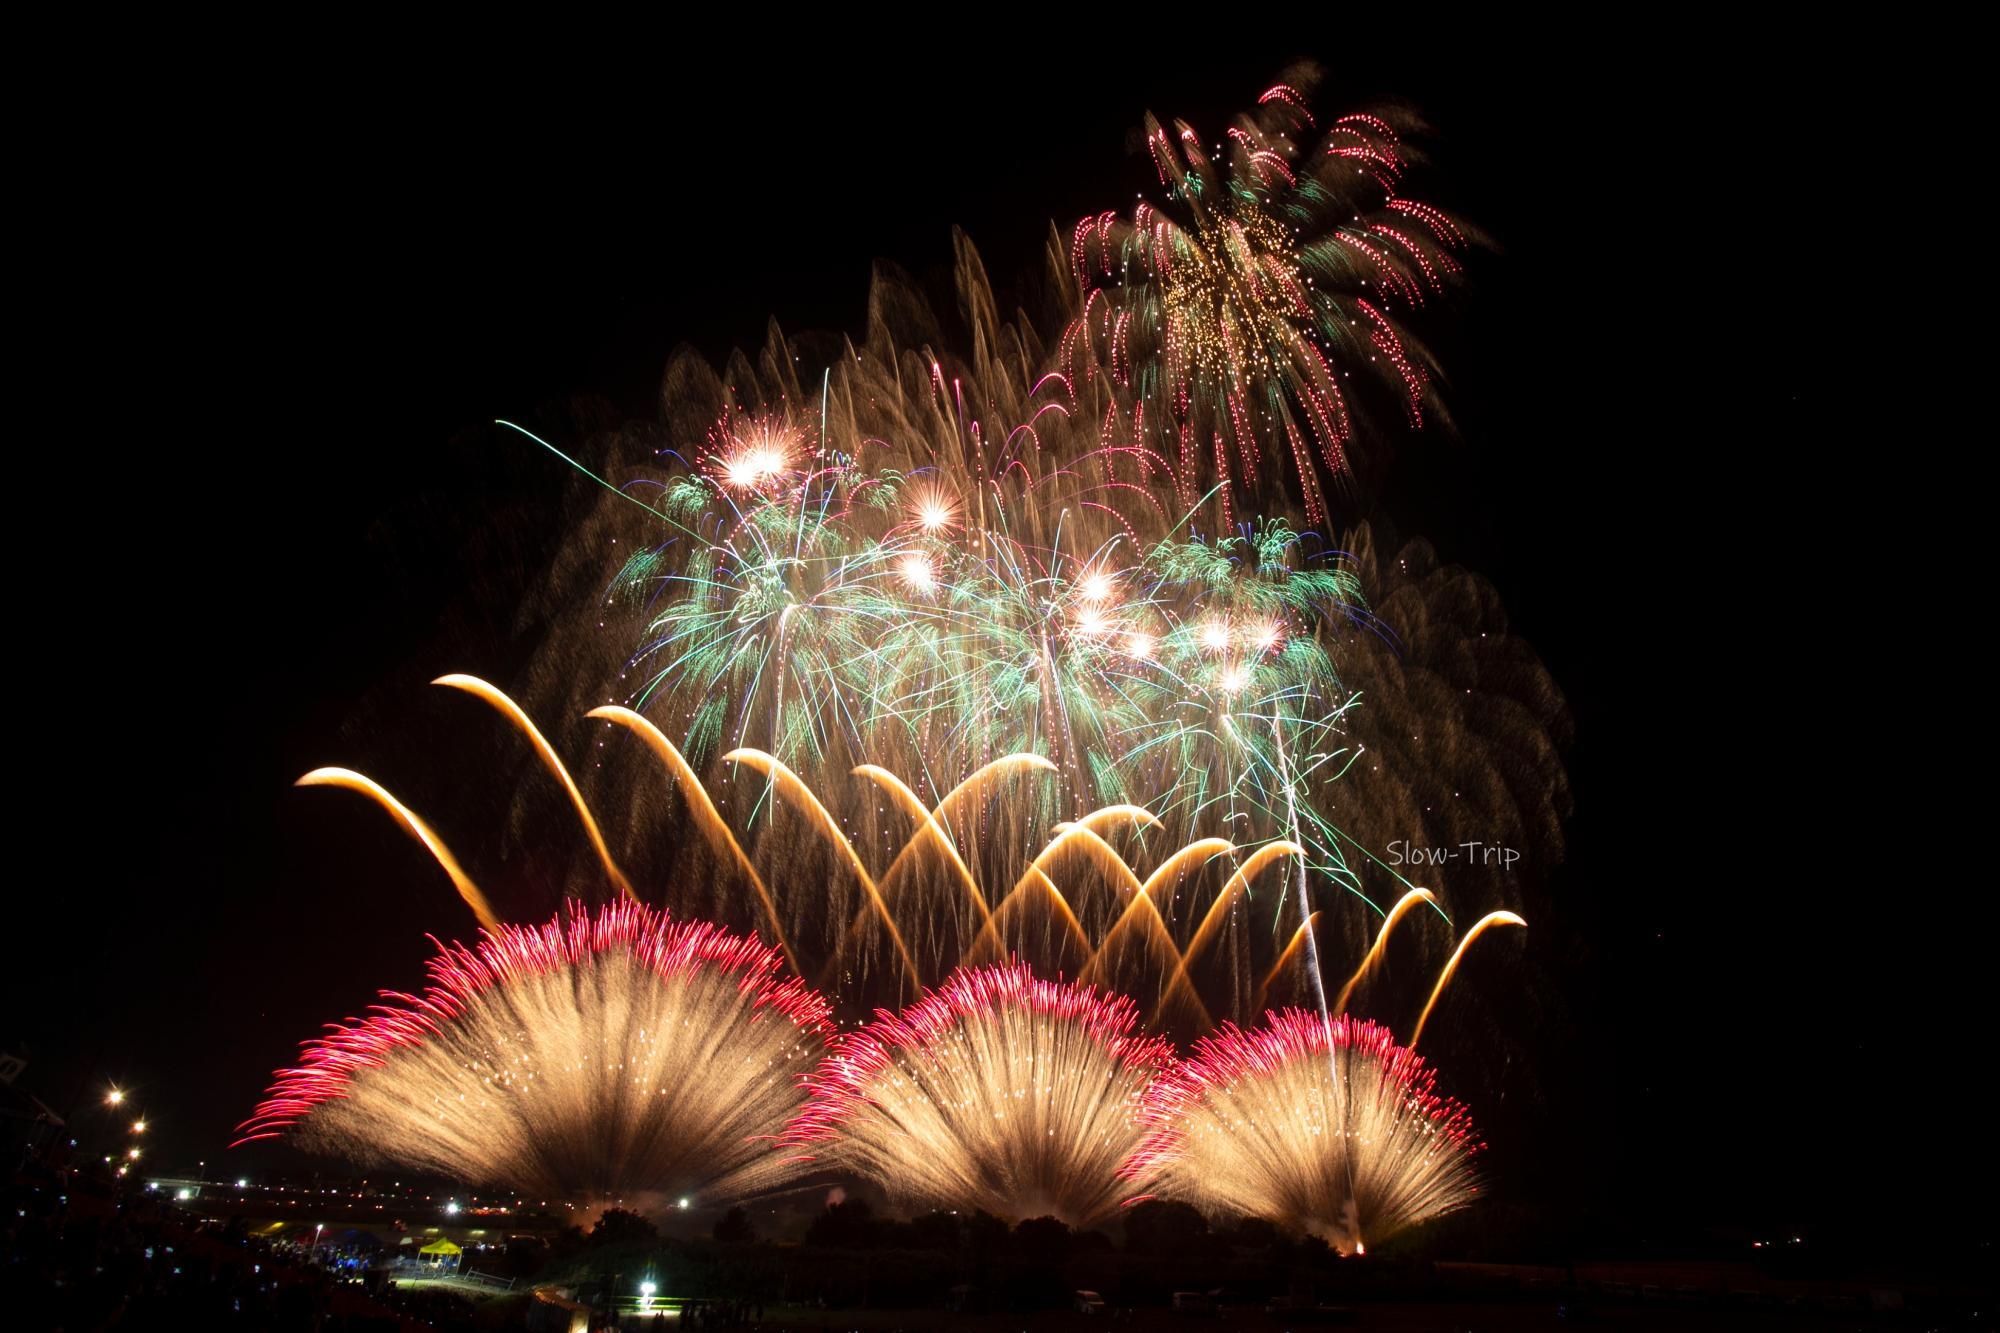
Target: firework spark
595,1056
997,1091
1325,1125
1283,258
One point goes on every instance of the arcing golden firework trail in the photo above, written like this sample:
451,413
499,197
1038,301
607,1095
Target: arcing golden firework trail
997,1091
1479,928
1323,1126
595,1057
1145,938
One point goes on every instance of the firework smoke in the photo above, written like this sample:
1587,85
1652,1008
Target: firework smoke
596,1056
1325,1126
997,1091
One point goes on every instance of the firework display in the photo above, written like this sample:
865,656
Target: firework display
1113,550
997,1091
965,672
1083,549
557,1060
1325,1125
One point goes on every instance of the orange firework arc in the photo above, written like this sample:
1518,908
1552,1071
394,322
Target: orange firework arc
415,827
706,815
1374,954
492,694
1479,928
789,783
1014,904
1238,884
1287,955
927,823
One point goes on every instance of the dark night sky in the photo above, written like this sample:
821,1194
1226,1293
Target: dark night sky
287,305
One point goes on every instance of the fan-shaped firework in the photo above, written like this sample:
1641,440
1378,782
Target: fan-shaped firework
1324,1125
596,1056
997,1091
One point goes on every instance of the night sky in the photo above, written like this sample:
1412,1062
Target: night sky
287,306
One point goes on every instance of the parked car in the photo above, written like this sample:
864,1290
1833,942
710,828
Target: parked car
1193,1302
1089,1302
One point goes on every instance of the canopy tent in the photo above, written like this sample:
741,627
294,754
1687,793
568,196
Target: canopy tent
441,1252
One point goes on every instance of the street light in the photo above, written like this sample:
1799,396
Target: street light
114,1096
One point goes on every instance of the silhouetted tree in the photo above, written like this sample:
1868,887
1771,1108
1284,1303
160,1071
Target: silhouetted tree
849,1224
1089,1242
1255,1233
1165,1227
985,1235
734,1228
1044,1241
525,1256
933,1231
618,1227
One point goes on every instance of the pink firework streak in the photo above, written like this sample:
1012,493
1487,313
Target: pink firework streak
599,1055
1268,279
1325,1127
997,1091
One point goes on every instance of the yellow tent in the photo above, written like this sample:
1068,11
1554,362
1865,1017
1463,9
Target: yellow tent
440,1251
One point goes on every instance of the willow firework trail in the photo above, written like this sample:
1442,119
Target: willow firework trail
592,1057
1328,1127
997,1091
